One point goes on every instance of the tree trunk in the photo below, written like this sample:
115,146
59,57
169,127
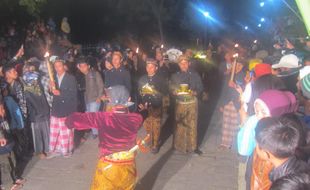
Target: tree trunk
160,24
160,27
157,12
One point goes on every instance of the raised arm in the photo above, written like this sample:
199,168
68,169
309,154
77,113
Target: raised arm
82,121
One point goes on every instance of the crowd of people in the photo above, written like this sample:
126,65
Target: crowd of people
54,97
265,113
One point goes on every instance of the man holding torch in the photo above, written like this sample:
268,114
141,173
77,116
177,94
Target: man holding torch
231,103
64,91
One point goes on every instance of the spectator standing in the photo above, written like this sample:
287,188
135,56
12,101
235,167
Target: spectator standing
39,112
93,88
64,103
118,75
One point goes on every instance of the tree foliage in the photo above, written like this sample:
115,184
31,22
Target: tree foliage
33,7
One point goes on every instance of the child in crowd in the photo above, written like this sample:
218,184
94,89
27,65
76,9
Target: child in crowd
277,140
271,103
293,182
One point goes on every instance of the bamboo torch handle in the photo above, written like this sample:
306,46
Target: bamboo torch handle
50,71
49,68
232,76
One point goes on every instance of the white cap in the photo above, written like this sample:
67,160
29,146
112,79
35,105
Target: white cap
290,61
304,72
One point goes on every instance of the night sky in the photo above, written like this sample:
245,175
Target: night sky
93,20
87,17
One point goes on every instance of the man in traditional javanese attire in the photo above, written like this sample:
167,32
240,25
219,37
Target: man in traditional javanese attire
117,131
186,86
152,88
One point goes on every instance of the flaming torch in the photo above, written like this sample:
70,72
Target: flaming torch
235,56
49,68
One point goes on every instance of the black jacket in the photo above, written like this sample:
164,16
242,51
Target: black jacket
38,108
291,166
119,76
160,85
191,78
66,103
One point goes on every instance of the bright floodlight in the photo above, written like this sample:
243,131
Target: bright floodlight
255,42
259,25
262,19
262,4
246,28
206,14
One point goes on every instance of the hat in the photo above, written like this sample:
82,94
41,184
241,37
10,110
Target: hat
278,102
262,69
305,86
303,72
287,61
118,95
182,58
151,61
253,63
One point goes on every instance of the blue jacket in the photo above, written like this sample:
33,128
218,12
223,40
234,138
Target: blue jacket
15,116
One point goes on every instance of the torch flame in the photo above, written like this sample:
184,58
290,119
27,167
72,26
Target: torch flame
47,54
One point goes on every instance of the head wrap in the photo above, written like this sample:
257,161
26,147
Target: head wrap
279,102
262,69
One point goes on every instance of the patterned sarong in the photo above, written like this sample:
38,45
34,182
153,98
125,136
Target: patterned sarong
230,124
61,138
115,174
152,125
185,133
